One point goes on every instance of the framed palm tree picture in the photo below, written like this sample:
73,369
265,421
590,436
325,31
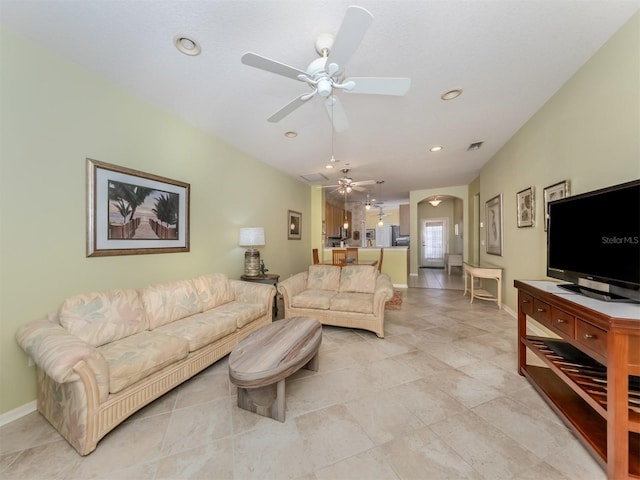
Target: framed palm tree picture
132,213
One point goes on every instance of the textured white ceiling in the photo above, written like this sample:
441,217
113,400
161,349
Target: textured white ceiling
509,56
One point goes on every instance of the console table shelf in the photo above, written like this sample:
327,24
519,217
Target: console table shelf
587,369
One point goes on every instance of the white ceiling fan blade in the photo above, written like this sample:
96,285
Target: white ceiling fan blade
264,63
289,107
380,85
365,182
354,25
336,114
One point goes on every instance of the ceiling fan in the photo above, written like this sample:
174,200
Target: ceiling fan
347,185
326,74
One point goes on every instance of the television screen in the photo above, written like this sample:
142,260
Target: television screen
596,237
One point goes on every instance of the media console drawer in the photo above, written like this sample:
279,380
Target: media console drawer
541,311
563,321
591,337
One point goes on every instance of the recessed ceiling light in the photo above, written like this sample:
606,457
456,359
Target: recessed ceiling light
328,166
475,146
291,134
436,148
451,94
187,45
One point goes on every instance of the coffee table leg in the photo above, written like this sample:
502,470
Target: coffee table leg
312,364
268,401
280,405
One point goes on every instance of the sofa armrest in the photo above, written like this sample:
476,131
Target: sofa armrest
383,292
252,292
58,353
292,286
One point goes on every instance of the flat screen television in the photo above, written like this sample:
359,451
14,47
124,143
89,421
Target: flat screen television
593,242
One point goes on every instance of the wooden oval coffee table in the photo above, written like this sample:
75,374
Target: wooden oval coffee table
260,363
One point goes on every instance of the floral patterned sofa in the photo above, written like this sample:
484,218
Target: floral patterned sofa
102,356
345,296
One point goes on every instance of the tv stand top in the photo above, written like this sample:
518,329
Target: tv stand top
619,310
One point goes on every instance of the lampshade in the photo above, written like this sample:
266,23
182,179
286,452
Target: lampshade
251,236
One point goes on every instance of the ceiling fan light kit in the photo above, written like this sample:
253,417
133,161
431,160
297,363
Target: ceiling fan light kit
325,75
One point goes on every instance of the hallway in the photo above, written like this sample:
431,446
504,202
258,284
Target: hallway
437,278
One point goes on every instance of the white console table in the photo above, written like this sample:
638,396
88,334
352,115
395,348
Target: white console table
472,271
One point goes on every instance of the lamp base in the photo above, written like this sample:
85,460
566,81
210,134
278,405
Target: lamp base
252,262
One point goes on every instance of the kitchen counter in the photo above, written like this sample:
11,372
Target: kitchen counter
395,262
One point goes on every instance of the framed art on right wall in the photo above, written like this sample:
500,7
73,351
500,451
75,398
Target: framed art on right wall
554,192
493,219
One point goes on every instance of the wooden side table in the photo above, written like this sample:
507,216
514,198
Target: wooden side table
269,278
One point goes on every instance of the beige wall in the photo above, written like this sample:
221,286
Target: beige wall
54,115
588,133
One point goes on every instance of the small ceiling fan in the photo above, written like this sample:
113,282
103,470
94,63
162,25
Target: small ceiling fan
347,185
325,75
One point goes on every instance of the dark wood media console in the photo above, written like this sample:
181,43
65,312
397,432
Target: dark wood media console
588,372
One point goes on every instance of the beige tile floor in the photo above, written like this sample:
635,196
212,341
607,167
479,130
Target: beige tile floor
438,398
437,278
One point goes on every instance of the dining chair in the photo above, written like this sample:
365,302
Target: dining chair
352,254
380,261
316,258
339,257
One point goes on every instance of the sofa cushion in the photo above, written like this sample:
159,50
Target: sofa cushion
214,290
352,302
323,277
168,302
201,329
138,356
358,278
243,313
318,299
103,317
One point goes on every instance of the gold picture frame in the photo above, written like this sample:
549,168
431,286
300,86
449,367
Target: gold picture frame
294,225
130,212
525,207
554,192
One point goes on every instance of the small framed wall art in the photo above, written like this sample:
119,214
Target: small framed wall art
132,213
554,192
525,203
294,225
493,219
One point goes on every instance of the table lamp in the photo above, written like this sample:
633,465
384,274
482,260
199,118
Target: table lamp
251,237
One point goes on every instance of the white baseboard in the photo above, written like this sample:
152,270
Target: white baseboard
17,413
413,274
400,285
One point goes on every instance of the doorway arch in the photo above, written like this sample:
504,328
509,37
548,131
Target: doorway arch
418,200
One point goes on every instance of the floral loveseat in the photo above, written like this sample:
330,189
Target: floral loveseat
102,356
345,296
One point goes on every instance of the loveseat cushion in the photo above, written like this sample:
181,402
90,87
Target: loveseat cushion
138,356
103,317
201,329
214,290
352,302
318,299
168,302
243,313
358,278
323,277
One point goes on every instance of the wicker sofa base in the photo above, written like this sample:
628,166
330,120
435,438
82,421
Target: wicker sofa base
102,417
362,321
